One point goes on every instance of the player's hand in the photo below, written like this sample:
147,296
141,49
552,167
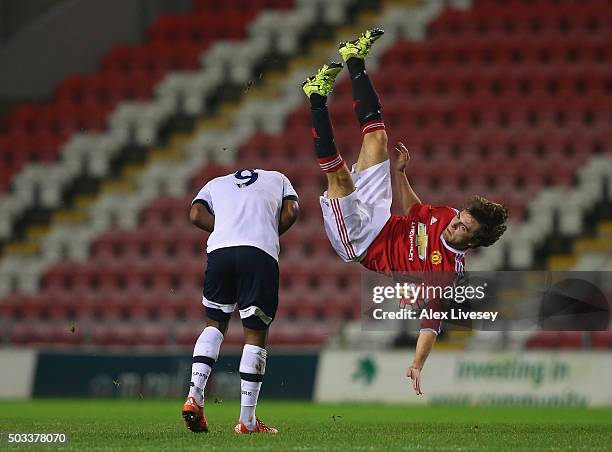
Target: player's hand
414,373
403,157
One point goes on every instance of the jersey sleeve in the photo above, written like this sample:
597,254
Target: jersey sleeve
288,190
204,197
419,210
451,211
430,324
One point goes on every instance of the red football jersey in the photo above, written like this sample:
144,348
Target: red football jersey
414,243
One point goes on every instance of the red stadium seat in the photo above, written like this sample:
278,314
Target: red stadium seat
68,335
128,72
151,335
122,335
46,334
29,334
501,99
556,339
601,339
188,334
292,334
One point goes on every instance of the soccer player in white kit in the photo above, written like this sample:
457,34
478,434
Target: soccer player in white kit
245,212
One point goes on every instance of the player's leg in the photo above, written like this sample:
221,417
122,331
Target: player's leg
219,302
365,100
352,218
252,371
205,354
317,88
257,295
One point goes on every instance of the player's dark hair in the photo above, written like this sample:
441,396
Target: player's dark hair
492,218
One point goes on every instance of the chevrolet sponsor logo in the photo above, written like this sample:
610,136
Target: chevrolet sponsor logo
422,241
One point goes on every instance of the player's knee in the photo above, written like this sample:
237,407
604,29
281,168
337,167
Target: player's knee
340,183
220,325
340,178
255,334
343,177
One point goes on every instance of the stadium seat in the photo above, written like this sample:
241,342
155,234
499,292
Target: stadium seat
46,334
601,339
114,335
187,336
300,335
127,72
152,334
502,99
556,339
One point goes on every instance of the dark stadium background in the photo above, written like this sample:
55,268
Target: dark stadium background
113,114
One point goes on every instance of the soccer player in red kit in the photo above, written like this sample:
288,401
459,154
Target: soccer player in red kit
357,204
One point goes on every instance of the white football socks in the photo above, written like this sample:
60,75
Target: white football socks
252,370
205,353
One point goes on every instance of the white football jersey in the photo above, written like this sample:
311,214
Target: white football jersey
246,206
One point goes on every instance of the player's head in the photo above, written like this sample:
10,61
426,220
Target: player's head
480,223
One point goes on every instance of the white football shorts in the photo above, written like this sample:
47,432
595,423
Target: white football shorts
353,222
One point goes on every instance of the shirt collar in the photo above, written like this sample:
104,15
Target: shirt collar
450,248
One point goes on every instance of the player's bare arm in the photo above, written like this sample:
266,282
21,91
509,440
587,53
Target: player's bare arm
424,345
200,217
289,214
403,193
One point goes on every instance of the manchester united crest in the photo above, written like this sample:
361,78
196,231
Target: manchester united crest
435,257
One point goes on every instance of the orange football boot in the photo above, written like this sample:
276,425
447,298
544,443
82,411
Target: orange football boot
193,414
260,427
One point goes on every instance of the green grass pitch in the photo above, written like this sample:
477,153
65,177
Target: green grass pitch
156,425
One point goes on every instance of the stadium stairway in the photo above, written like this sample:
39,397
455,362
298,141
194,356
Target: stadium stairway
95,154
128,79
287,335
587,253
522,120
555,214
244,119
82,102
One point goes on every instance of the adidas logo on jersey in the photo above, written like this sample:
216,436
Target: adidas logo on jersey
433,220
